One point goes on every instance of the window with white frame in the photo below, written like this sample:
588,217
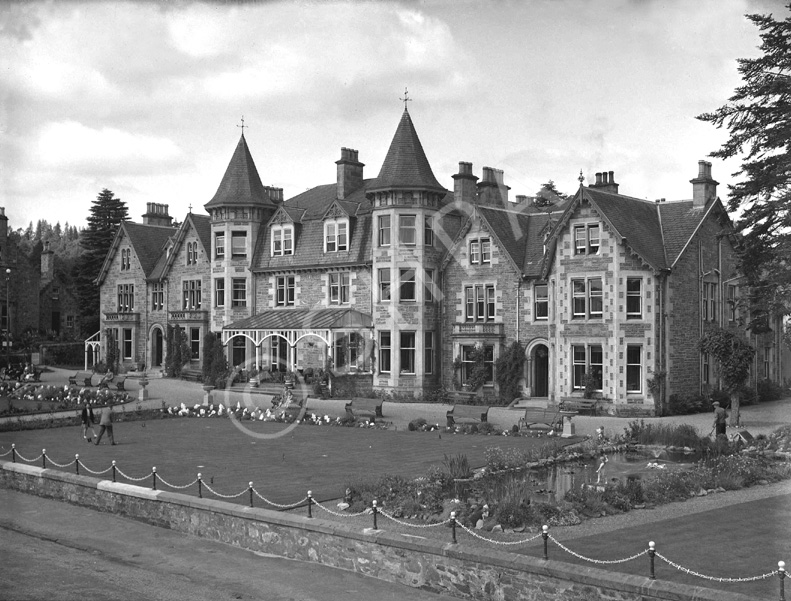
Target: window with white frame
238,245
127,344
586,239
126,298
219,246
587,298
469,361
428,352
384,230
285,286
385,351
336,235
709,301
407,352
407,231
428,286
634,298
219,292
587,362
384,284
634,368
239,292
157,296
541,301
339,288
195,343
282,240
480,302
190,256
480,251
428,231
191,295
732,303
406,286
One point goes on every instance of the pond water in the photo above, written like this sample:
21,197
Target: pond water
551,484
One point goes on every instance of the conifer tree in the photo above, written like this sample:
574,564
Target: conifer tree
107,213
758,118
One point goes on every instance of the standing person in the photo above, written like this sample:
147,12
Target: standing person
87,418
106,423
600,470
720,419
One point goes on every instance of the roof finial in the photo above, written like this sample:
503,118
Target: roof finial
191,203
243,125
406,99
581,178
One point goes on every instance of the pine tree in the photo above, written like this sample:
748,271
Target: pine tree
548,195
758,117
107,213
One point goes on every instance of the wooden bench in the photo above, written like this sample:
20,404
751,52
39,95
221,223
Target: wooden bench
82,377
360,407
467,413
579,405
119,385
537,416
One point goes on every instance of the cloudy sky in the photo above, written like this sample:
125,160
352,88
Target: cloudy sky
145,99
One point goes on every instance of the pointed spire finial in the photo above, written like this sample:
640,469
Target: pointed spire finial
191,203
243,125
581,178
406,99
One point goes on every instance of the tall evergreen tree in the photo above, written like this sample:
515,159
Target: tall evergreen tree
107,213
548,195
758,118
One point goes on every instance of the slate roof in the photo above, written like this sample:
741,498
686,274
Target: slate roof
679,221
147,242
241,184
297,319
406,165
310,208
202,226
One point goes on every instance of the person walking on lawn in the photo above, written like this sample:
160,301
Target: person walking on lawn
87,418
106,424
720,419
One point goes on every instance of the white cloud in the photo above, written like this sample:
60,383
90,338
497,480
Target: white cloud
71,145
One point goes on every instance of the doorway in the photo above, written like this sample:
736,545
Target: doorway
159,350
541,371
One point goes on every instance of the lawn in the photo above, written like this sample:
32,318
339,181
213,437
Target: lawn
282,468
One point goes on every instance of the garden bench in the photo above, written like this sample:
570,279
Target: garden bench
119,385
467,413
579,405
361,407
84,378
294,408
73,379
537,416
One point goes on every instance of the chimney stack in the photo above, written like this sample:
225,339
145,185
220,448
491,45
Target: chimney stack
492,189
465,184
275,194
605,181
47,264
157,214
704,188
350,172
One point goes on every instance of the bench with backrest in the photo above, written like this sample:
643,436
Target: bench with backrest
85,378
467,414
362,407
545,417
119,385
579,405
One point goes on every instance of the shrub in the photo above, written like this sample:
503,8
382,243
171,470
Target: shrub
458,467
417,424
509,369
769,391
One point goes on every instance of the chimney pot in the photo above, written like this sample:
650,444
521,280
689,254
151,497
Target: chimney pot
611,179
598,178
701,168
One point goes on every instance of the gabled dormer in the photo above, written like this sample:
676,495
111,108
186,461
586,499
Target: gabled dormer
283,231
337,227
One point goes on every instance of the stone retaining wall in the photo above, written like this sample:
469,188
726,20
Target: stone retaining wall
469,573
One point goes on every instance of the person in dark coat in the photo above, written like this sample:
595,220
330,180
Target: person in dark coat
106,424
720,419
87,418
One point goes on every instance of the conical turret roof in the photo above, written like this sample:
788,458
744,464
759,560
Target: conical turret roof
406,165
241,184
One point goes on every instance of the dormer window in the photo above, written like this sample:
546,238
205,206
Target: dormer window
282,240
586,239
336,235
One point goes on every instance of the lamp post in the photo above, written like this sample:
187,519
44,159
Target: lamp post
7,319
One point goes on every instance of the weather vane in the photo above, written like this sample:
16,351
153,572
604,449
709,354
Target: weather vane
243,125
406,98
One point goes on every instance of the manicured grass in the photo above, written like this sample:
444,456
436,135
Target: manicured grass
741,540
318,458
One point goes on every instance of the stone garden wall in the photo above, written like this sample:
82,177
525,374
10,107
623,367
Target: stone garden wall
441,567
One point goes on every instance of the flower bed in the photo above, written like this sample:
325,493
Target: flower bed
37,398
